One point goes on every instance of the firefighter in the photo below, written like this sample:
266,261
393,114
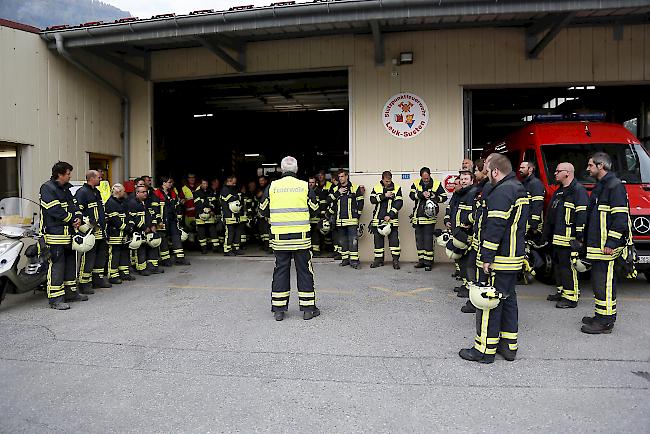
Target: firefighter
424,220
387,198
251,203
461,222
206,228
565,224
263,225
60,218
467,165
93,262
316,236
536,192
607,232
118,225
346,205
215,193
186,197
448,220
482,187
148,182
501,229
289,202
232,207
144,221
323,190
170,214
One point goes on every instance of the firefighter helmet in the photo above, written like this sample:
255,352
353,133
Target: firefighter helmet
384,229
154,239
483,296
184,235
136,241
205,215
83,243
361,229
430,208
461,239
443,239
85,226
234,206
324,226
581,265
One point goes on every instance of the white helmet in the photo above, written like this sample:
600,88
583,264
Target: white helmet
443,239
136,241
451,254
430,208
484,297
205,215
154,240
85,226
184,235
581,265
234,206
384,229
83,243
324,226
361,229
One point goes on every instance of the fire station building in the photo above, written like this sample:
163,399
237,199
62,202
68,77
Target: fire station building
367,85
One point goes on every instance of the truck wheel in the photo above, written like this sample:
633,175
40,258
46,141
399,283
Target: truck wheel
3,288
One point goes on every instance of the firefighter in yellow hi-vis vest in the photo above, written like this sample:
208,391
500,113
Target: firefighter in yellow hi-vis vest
288,202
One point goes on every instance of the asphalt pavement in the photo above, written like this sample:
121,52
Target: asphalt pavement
197,350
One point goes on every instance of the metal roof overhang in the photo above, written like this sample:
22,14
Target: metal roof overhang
349,17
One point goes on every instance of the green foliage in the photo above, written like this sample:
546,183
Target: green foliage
45,13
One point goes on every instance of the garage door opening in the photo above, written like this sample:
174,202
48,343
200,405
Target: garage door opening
491,114
246,125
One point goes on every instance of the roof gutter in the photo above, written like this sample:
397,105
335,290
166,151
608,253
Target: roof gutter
126,105
315,14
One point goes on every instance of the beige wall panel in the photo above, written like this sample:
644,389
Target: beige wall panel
636,34
646,56
45,104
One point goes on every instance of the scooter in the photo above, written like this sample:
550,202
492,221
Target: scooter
19,222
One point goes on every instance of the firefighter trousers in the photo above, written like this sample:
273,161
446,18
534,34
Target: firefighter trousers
233,237
281,286
566,277
207,232
393,244
467,267
501,323
424,243
265,231
118,260
171,238
349,243
61,272
316,238
93,262
603,280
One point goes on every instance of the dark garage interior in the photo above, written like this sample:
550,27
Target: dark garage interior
246,125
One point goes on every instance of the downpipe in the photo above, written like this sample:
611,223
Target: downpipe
126,105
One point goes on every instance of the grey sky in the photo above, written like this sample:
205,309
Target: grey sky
147,8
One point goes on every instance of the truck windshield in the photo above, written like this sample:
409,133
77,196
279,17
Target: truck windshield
630,162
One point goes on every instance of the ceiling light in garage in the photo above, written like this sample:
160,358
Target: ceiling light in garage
252,155
331,110
270,164
204,115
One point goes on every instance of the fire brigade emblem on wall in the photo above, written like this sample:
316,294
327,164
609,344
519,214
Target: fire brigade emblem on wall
405,115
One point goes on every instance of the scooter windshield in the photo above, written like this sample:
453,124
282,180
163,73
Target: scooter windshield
19,217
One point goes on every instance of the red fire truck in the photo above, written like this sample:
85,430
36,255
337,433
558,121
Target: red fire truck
551,140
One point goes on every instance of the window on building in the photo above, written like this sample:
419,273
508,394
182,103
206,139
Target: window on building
9,179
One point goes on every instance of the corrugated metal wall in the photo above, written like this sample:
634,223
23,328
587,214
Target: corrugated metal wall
48,105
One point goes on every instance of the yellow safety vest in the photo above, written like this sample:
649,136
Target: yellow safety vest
104,190
289,212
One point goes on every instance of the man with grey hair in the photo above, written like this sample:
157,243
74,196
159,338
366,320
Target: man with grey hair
118,226
606,237
93,262
289,203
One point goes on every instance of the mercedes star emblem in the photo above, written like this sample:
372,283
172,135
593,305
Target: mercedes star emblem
641,225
